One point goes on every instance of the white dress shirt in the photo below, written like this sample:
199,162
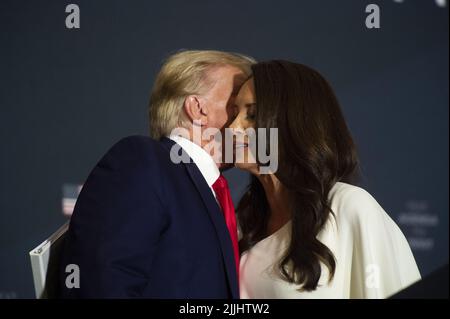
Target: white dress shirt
373,258
205,163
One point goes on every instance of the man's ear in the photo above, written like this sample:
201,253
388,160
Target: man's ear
196,110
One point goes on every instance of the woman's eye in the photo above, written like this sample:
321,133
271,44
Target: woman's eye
251,116
251,112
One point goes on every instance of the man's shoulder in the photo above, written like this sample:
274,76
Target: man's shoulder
138,144
136,151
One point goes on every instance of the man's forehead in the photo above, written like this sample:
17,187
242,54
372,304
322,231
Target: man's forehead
227,71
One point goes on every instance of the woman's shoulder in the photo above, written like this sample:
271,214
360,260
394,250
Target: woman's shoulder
347,193
351,203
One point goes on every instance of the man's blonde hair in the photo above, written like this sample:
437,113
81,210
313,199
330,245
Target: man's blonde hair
183,74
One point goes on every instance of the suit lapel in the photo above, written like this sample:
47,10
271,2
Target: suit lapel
217,219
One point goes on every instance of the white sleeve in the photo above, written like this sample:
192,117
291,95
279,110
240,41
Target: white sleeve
382,261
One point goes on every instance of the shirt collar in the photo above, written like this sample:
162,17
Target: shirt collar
205,163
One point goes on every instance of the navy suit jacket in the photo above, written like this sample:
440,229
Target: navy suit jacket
145,227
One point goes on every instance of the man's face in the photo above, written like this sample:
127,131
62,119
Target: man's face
223,84
227,81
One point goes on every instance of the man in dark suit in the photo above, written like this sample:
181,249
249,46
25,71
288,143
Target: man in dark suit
145,226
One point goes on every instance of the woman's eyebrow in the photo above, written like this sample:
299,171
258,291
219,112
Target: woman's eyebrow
250,104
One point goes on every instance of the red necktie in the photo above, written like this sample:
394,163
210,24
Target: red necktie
222,191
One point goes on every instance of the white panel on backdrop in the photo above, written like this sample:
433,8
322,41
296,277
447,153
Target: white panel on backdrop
44,263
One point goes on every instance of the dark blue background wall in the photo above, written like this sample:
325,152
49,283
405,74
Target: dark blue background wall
67,95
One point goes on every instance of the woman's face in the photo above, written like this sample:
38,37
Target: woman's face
245,111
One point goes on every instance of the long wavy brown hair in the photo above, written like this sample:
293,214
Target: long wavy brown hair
315,151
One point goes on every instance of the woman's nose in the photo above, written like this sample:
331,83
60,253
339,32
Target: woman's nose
234,123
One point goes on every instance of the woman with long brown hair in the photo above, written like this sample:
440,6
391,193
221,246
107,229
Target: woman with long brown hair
306,231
